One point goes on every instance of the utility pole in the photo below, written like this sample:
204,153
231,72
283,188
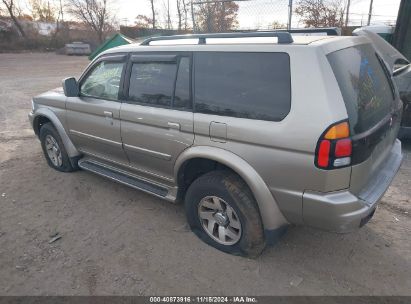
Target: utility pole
370,13
192,17
61,11
153,14
347,13
290,13
168,15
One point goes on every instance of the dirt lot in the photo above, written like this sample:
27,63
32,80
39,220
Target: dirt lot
116,240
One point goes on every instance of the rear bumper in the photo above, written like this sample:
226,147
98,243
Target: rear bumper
343,211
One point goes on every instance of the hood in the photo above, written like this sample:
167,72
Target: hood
58,90
54,97
55,91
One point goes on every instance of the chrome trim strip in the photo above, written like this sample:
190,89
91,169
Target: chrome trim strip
96,138
148,152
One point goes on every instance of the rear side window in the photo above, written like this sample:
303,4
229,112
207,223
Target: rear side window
161,83
365,87
153,83
247,85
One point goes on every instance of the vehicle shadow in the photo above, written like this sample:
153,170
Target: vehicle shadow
355,261
351,263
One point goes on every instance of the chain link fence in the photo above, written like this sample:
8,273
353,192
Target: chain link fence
185,16
226,15
223,15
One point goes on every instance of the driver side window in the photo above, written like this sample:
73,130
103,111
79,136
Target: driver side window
103,81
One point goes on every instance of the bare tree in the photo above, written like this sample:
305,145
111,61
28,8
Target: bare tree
143,21
12,9
153,14
94,13
278,25
185,9
179,14
182,14
193,20
42,11
61,11
217,16
168,16
321,13
59,23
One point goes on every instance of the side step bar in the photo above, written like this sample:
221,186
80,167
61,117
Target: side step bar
122,178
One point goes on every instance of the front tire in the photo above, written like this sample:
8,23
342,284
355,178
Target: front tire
222,212
54,150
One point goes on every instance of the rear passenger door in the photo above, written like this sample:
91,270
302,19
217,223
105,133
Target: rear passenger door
242,102
157,117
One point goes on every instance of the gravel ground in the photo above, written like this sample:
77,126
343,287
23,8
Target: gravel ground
117,240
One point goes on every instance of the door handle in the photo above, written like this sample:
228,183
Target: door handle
174,125
108,114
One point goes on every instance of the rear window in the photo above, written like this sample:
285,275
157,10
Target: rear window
365,87
247,85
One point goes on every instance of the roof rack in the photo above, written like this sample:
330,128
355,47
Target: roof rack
283,37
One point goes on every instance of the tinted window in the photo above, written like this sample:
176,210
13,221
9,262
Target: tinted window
249,85
153,83
366,90
182,93
103,81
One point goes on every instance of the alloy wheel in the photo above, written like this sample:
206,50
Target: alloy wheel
53,151
219,220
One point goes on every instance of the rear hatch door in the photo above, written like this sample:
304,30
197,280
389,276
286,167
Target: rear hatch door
373,108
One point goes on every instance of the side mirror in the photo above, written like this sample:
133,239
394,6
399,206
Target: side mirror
71,87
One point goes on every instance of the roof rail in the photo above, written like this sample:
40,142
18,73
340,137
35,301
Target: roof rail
283,37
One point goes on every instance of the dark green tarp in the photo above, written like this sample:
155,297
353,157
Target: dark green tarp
116,40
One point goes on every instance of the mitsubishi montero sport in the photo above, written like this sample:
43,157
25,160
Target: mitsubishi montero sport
252,131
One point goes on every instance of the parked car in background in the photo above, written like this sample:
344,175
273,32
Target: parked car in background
386,32
400,69
251,134
77,48
322,31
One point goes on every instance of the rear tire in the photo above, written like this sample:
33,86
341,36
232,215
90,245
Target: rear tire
222,212
54,150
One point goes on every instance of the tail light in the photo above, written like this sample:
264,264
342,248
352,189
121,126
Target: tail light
334,148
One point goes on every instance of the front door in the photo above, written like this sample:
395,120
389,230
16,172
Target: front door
94,117
157,117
